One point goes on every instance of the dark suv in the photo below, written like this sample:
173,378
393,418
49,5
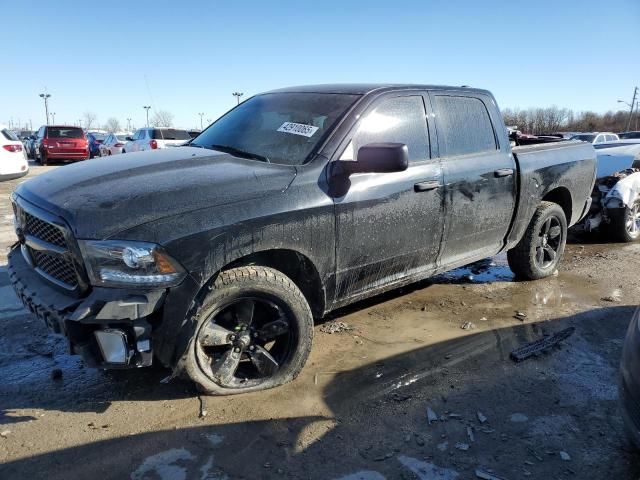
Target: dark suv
59,142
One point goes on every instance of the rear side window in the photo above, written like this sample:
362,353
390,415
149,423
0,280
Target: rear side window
464,126
170,134
9,135
62,132
398,120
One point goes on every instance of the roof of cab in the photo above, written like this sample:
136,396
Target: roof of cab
366,88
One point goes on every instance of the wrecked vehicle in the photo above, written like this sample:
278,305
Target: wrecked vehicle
214,258
629,389
615,206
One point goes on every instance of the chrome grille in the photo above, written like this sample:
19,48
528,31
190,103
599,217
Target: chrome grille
55,266
43,230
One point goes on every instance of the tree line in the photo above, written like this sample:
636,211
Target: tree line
161,118
537,120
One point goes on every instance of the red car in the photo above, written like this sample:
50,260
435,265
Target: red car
59,142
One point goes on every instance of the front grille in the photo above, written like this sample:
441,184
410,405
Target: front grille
55,266
43,230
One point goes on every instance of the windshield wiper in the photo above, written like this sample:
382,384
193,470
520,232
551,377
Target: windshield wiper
238,152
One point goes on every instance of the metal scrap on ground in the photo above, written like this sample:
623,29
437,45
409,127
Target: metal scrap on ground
533,348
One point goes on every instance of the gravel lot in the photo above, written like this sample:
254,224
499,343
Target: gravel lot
361,407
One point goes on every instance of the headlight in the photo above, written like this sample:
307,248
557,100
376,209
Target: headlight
123,263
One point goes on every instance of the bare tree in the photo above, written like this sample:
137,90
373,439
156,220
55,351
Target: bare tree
89,119
537,120
162,118
112,125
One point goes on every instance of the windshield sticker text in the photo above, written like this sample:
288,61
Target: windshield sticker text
298,129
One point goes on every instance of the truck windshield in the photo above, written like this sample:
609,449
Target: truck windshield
282,128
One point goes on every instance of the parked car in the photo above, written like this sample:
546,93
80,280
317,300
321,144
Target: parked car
60,142
596,138
615,206
215,258
95,139
154,138
194,133
29,144
113,144
13,160
629,391
629,136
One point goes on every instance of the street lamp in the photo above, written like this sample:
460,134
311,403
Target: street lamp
53,117
147,107
45,96
128,124
201,115
237,95
626,103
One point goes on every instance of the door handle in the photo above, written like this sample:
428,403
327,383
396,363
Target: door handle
503,172
426,186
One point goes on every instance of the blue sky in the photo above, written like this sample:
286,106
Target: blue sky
111,58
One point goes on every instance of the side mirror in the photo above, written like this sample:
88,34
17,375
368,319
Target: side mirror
378,158
129,139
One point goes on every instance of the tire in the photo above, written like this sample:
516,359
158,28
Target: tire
625,223
44,161
278,315
540,250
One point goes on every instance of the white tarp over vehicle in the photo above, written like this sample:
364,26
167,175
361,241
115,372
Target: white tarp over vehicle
624,193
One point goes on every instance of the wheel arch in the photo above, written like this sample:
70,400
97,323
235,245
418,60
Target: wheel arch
562,197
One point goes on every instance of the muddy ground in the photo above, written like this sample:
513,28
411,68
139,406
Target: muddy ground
359,410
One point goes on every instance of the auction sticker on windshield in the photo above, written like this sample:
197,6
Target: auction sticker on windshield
298,129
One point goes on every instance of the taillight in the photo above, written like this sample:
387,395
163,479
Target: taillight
12,148
45,142
119,145
153,144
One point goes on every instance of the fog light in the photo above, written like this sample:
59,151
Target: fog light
113,345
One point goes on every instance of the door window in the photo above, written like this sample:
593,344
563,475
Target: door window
464,126
397,120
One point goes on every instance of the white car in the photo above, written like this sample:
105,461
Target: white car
151,138
596,137
113,144
13,158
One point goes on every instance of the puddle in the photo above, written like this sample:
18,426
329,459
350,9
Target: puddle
489,270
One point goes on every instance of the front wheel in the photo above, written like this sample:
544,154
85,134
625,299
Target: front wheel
625,223
252,331
538,253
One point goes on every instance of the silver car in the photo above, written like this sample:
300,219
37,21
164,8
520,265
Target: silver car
630,379
112,145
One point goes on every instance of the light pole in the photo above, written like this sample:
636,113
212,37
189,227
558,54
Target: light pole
53,117
45,96
630,105
128,124
147,107
237,95
201,115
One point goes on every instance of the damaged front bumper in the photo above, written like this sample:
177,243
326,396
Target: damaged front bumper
630,379
109,328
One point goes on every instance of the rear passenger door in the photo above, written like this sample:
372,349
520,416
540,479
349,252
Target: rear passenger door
389,225
479,176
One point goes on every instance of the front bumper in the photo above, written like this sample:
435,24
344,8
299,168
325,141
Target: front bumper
108,310
630,380
13,176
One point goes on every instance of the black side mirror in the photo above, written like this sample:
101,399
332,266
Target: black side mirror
378,158
129,139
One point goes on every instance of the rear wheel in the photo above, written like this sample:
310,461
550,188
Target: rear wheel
252,331
44,160
538,253
625,223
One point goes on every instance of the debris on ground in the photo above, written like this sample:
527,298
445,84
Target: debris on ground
431,416
470,434
565,456
520,316
485,475
483,319
610,298
5,433
203,410
468,326
481,417
56,374
335,327
534,348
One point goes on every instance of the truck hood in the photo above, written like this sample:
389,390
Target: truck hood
101,197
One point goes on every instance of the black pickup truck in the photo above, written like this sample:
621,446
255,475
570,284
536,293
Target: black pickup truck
214,258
